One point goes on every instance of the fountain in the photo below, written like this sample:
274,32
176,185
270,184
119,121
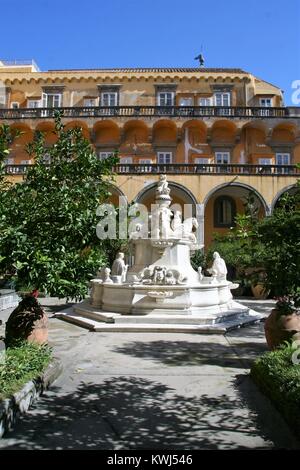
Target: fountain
161,291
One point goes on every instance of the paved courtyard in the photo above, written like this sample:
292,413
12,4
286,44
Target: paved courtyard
152,391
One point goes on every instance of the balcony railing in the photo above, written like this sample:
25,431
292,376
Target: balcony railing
151,111
188,169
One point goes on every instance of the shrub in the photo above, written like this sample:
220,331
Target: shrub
20,365
279,378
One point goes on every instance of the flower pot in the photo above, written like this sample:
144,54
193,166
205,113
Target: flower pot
280,328
28,322
259,291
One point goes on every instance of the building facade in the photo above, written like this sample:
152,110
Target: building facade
219,134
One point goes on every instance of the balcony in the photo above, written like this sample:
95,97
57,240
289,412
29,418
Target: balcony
152,111
188,169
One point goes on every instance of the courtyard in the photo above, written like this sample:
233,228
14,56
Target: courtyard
152,391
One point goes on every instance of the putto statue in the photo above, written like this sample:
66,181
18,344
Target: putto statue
218,269
162,186
119,268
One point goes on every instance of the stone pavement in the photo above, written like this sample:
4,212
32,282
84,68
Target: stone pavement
152,391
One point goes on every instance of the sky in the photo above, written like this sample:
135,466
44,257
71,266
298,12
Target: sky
259,36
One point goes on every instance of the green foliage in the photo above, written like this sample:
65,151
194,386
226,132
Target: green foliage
266,250
21,364
199,258
279,378
48,235
280,257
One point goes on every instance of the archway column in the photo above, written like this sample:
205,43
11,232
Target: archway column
200,210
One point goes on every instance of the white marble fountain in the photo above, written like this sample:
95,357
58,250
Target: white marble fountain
161,291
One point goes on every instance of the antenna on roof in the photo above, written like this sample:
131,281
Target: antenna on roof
200,58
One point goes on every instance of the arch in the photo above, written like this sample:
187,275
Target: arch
164,131
26,133
292,188
254,132
136,131
116,192
79,124
237,192
223,131
242,185
106,132
179,193
48,130
284,132
197,131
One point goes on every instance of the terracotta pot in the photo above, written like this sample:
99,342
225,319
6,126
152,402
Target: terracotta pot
39,333
259,291
280,328
28,322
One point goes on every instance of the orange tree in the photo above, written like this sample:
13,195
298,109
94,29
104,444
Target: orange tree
48,233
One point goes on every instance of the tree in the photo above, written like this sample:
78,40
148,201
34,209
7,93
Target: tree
267,250
280,257
48,241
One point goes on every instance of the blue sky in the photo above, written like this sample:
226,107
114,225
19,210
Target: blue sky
260,36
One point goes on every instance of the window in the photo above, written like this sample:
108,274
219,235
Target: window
166,98
52,100
123,162
9,161
264,162
164,157
104,155
90,102
2,98
25,162
202,161
205,102
222,99
126,160
14,105
224,211
222,157
186,102
283,159
109,99
32,104
265,102
146,161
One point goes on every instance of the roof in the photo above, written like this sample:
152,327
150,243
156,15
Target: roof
164,70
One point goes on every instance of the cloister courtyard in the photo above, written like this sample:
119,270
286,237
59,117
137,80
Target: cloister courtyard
152,391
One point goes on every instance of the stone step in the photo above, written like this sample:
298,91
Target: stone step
152,327
159,328
75,319
88,311
190,319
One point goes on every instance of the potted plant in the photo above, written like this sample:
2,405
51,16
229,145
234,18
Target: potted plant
284,321
28,322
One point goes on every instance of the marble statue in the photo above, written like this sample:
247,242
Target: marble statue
200,273
218,269
106,276
119,268
162,186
